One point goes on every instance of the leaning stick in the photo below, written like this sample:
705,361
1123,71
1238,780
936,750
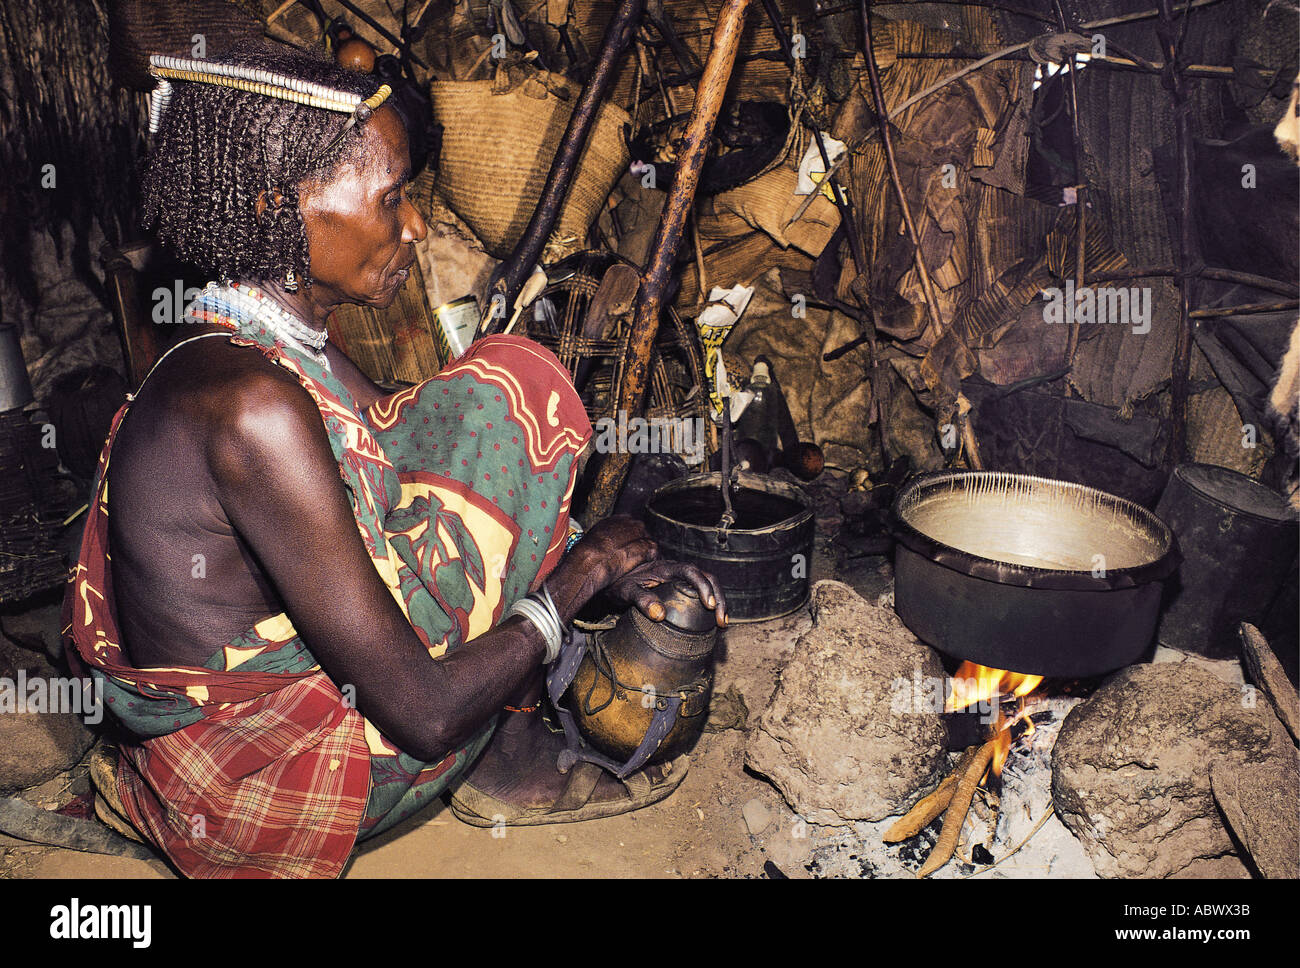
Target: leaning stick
478,63
929,807
703,295
927,285
667,241
1080,190
970,444
955,817
279,10
1171,34
812,196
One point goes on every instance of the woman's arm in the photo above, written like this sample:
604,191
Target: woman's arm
279,484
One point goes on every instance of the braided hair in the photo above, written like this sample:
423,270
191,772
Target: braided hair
217,149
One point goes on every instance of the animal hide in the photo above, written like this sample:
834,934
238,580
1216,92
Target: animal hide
1284,401
1284,407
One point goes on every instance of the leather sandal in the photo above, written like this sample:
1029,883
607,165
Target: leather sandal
108,804
478,809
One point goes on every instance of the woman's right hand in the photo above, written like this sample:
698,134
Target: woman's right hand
609,550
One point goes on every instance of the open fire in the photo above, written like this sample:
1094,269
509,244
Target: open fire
975,685
982,689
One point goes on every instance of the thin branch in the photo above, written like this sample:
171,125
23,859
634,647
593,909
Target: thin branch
1051,808
1244,310
1015,48
1205,272
1080,189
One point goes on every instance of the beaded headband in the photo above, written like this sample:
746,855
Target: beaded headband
257,81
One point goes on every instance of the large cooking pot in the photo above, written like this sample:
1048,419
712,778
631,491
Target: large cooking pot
1029,574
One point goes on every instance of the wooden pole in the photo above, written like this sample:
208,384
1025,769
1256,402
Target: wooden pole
1171,35
668,239
516,269
1080,189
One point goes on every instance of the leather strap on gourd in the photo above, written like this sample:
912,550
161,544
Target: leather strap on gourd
561,676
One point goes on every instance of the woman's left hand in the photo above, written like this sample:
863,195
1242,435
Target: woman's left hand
635,588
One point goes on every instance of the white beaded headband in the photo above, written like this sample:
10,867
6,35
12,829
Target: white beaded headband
257,81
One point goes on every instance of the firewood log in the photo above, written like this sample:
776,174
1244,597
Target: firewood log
957,809
930,806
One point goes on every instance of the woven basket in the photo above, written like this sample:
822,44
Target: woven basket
676,367
497,150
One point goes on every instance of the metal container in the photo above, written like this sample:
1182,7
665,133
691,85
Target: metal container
1238,540
456,322
1028,574
15,387
763,562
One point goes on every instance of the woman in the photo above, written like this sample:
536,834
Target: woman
321,599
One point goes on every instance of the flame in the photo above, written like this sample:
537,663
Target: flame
975,684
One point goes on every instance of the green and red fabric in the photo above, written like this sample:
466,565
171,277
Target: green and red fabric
256,764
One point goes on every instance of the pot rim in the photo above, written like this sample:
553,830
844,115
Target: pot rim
1025,576
713,479
1181,471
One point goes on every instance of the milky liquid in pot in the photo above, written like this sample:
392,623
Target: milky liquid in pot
1054,528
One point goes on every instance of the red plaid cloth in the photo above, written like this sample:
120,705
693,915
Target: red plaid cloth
273,787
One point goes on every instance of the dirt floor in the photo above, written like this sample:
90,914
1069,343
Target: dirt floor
701,831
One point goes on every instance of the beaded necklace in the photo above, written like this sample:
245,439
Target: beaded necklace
256,307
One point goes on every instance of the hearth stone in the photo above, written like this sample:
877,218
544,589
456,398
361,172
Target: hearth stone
833,738
1261,801
1131,767
34,745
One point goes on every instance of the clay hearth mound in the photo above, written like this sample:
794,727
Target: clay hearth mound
834,739
34,745
1131,769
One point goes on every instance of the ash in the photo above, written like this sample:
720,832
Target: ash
988,838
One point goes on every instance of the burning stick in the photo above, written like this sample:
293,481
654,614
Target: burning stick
955,816
929,807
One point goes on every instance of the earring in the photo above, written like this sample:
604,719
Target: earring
290,281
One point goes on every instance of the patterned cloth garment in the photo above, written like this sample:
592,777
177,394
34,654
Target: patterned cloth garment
256,764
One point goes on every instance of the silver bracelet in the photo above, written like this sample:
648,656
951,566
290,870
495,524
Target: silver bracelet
552,653
550,605
540,610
